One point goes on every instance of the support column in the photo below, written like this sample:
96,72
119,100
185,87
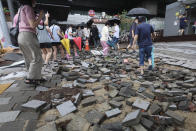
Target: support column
11,8
4,27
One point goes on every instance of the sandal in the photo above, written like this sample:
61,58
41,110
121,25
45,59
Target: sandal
41,80
30,81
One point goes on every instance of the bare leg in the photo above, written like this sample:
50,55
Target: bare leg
49,54
75,50
142,70
54,52
62,52
44,52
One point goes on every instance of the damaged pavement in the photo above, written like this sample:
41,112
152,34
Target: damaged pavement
96,93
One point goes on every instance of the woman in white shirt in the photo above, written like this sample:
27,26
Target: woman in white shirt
104,39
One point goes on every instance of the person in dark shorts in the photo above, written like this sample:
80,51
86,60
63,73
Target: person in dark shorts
132,34
44,33
143,34
56,32
183,24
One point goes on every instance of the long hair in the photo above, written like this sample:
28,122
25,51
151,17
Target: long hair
25,2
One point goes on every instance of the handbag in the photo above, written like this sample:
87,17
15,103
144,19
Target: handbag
14,32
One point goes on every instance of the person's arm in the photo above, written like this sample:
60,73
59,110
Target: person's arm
46,22
60,34
49,31
136,36
135,39
152,33
31,17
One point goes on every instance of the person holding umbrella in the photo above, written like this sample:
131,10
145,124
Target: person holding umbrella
143,35
132,34
115,37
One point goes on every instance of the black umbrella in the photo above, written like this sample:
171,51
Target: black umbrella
138,12
114,20
82,24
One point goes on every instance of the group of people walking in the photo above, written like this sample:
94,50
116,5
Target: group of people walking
39,42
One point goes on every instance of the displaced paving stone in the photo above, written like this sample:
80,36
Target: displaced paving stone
118,98
151,96
172,107
34,105
8,116
5,101
115,104
66,108
146,123
139,127
28,116
91,80
83,81
76,123
88,101
141,104
48,127
113,93
87,93
97,128
114,126
132,118
67,85
112,113
84,64
141,89
192,90
105,70
97,88
177,118
94,117
146,84
154,109
127,92
183,105
41,88
103,107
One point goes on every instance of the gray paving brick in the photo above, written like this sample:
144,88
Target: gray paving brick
34,105
139,127
66,108
87,93
154,109
114,126
8,116
89,101
112,113
94,117
127,92
132,118
4,101
177,118
141,104
113,93
42,88
146,123
115,104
